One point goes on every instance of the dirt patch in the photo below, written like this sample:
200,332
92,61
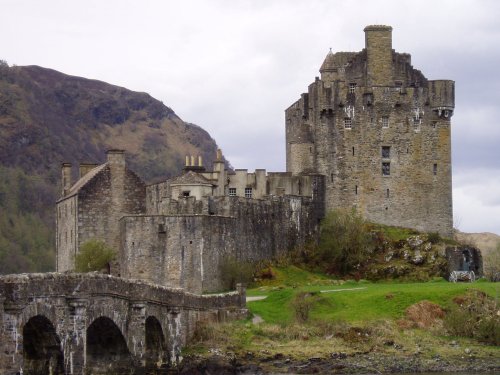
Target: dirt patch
423,314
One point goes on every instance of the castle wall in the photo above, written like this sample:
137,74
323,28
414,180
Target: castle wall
66,233
381,136
188,250
94,210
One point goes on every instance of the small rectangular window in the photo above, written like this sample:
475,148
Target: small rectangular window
185,194
385,122
386,169
248,192
386,152
347,123
356,190
232,192
435,169
353,151
434,124
416,123
352,88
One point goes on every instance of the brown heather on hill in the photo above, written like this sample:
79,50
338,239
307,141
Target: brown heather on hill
486,242
47,117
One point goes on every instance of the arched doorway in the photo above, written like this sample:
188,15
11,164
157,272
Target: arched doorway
107,350
155,344
41,348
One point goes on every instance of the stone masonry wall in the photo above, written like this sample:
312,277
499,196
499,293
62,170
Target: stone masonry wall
371,112
66,233
188,250
71,303
103,202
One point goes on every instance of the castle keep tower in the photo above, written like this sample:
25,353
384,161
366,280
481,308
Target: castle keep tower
379,131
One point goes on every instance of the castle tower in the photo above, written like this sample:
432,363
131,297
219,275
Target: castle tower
379,131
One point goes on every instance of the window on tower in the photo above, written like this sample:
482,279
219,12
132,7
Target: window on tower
386,169
352,88
232,192
347,123
248,192
386,152
385,122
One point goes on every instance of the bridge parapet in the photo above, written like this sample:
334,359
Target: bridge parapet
148,323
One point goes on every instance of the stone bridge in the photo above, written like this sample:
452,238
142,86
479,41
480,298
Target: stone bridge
92,323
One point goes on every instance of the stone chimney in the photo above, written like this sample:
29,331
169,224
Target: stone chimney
86,168
66,178
116,158
378,44
191,164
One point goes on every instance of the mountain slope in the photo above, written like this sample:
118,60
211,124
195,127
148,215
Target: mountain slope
46,118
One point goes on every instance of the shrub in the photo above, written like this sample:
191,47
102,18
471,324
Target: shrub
233,272
474,315
94,255
434,237
492,265
345,240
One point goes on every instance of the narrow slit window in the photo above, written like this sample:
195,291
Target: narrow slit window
435,169
353,151
387,193
386,169
356,190
331,177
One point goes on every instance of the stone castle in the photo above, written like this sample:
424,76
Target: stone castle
372,133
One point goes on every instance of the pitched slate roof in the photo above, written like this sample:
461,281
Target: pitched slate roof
190,178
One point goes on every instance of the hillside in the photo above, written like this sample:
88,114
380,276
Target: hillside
486,242
47,117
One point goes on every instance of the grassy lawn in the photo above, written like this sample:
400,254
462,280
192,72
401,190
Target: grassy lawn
374,302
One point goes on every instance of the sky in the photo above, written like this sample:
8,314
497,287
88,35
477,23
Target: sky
234,66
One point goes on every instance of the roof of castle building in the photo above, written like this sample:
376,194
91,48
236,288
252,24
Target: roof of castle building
190,178
78,185
336,60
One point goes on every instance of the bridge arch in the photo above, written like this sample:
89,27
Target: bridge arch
42,352
156,346
107,348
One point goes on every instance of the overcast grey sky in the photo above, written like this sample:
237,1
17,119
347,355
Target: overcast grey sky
233,66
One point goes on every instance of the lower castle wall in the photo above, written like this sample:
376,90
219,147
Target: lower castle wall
187,251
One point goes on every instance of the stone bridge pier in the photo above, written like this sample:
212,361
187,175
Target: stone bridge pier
91,323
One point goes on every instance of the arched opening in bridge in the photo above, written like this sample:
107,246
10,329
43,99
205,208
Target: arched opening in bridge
155,344
107,349
41,348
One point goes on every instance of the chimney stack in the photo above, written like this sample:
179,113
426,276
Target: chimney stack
378,44
116,158
66,178
86,168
